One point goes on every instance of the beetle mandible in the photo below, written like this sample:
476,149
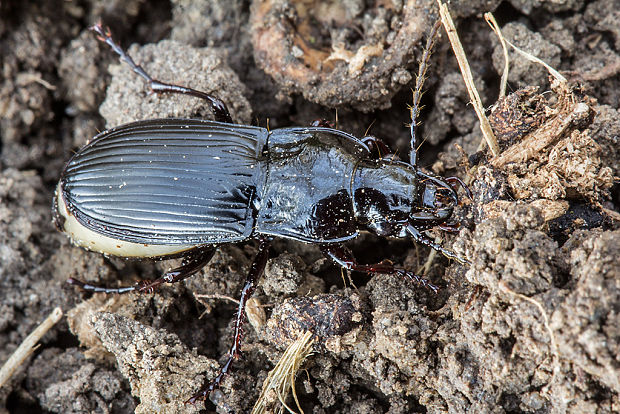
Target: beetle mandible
164,188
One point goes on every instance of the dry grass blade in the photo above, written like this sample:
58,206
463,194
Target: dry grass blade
534,59
282,377
457,47
491,21
28,346
504,81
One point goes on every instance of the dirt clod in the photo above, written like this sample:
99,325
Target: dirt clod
148,358
531,326
325,316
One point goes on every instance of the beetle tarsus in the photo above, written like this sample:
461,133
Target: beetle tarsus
218,107
417,279
421,238
99,289
234,353
343,257
193,262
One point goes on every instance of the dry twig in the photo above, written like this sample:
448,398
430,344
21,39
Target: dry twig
457,47
28,346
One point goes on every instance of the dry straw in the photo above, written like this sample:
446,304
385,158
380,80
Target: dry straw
281,378
457,47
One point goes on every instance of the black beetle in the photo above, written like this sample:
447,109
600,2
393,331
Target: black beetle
180,187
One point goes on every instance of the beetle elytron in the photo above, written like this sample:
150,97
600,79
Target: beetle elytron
182,187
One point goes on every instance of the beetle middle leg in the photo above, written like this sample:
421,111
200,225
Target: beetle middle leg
218,107
256,270
344,257
192,262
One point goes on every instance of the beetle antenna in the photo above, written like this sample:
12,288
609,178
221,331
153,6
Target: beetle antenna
417,91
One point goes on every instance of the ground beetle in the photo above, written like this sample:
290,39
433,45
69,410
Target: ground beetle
181,187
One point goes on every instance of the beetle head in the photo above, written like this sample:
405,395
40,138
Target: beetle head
389,196
436,201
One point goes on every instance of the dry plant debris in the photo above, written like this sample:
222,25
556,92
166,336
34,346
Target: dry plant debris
28,346
553,155
281,378
457,47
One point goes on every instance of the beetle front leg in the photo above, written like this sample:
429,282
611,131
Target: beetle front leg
343,257
218,107
456,182
192,262
256,271
421,238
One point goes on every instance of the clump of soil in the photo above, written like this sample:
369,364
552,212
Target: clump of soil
529,326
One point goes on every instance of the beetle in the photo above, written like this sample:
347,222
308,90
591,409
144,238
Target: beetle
165,188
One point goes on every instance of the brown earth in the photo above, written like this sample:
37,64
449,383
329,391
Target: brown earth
531,326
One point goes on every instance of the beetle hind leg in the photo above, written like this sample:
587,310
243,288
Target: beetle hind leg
256,270
192,262
344,258
218,107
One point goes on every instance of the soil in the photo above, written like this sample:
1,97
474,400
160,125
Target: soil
531,325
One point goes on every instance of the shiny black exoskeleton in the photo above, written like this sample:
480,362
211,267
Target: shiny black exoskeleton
170,187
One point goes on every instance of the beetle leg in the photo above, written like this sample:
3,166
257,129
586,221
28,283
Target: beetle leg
343,257
376,146
450,227
256,271
193,262
218,107
421,238
99,289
